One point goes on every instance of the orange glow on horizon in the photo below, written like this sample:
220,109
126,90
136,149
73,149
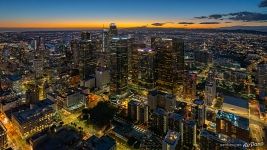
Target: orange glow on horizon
121,24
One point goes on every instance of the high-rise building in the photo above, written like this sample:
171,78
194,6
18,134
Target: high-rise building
102,77
138,111
32,94
199,112
85,35
176,122
161,99
135,62
39,46
189,134
74,46
190,85
143,67
262,80
87,58
210,88
119,65
203,57
113,31
169,63
104,40
133,108
38,66
84,55
172,141
159,123
233,125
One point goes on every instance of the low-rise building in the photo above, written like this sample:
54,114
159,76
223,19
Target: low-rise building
34,119
102,143
71,99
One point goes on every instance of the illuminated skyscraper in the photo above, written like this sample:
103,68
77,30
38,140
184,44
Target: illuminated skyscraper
85,35
38,67
87,58
138,111
74,45
119,65
104,40
190,85
189,134
143,67
161,99
113,31
169,63
199,112
159,123
84,55
262,80
210,88
32,94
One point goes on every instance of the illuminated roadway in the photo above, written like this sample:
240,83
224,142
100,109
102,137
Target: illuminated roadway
17,142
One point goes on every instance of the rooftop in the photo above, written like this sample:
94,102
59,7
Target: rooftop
191,123
134,102
237,121
236,101
145,50
14,77
172,137
102,143
198,101
176,116
160,112
220,138
42,106
156,92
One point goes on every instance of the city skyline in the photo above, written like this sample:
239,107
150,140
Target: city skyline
133,74
128,14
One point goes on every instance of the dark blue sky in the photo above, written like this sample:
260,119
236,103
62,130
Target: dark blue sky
137,10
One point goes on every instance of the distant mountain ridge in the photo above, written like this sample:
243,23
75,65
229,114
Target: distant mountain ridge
255,28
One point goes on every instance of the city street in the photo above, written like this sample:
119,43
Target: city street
17,142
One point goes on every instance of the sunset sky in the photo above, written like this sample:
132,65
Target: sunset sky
132,13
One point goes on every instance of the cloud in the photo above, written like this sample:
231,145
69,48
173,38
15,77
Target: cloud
169,22
215,16
239,16
248,16
209,23
186,23
201,17
263,3
158,24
